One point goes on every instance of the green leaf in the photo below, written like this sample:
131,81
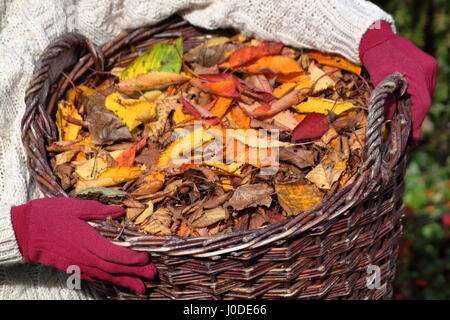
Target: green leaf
165,57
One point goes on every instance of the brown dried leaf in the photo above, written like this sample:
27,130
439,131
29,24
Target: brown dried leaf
251,195
104,126
302,158
209,217
323,176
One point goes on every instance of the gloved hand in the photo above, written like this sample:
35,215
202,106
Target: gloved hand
382,52
52,232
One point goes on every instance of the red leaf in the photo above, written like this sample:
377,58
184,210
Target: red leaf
311,128
126,158
248,54
189,108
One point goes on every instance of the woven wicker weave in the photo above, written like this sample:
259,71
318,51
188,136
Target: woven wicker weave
323,253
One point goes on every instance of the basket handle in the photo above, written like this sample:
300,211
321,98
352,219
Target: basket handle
393,84
59,55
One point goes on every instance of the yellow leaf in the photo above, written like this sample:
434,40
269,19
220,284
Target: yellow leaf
150,80
130,111
73,92
179,115
146,213
67,130
226,184
179,149
91,168
110,177
297,197
150,96
324,83
323,106
305,82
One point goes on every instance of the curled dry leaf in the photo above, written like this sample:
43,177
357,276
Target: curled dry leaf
323,176
152,184
209,217
251,196
104,126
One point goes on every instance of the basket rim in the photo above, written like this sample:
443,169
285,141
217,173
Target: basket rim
368,177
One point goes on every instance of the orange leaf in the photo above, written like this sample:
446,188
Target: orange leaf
262,108
293,77
284,89
185,231
240,118
299,117
275,65
248,54
225,88
335,61
221,106
126,158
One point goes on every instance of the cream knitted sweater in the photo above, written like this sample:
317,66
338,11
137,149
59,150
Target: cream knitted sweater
28,26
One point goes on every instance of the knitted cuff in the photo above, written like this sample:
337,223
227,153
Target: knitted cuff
350,23
9,249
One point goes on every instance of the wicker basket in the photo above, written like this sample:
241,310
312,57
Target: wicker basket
323,253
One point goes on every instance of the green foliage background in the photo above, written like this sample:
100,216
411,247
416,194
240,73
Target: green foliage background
424,262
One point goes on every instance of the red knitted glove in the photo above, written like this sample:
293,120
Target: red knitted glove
383,52
52,232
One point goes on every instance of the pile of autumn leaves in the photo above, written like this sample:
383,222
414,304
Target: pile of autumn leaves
160,136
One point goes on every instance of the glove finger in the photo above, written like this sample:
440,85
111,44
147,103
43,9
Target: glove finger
91,209
132,283
148,272
81,238
93,273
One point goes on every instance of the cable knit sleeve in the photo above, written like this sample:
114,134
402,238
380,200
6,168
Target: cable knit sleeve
9,250
328,25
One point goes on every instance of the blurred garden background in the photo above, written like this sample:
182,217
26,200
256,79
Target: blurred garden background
424,262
